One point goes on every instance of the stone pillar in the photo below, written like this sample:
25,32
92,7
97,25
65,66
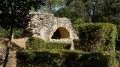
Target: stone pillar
72,45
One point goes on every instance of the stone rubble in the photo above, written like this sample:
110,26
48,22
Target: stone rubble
43,25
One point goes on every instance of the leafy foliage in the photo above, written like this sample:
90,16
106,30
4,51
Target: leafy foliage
13,12
74,9
62,58
52,5
18,32
53,45
3,33
107,11
118,56
98,36
37,44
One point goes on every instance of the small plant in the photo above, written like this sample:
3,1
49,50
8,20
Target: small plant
18,33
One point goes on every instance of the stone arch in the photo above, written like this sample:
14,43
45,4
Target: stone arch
61,32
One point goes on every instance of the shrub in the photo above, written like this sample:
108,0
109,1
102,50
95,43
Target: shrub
4,33
35,43
96,36
77,44
118,56
62,58
55,45
18,33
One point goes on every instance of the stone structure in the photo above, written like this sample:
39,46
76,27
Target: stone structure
50,28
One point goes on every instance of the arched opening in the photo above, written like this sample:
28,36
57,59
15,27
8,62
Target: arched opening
61,33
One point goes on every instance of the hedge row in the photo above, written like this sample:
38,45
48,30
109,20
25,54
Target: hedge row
64,58
55,45
37,43
96,36
118,56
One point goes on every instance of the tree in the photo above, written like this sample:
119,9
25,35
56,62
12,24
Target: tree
90,6
13,14
52,5
107,11
75,10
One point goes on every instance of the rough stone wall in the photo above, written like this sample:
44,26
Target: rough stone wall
43,25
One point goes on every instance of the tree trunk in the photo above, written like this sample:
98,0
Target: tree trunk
8,47
94,8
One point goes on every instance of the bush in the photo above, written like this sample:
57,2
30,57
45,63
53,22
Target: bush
62,58
4,33
35,43
118,56
18,33
55,45
77,44
96,36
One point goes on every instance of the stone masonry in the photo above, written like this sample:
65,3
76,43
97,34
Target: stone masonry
50,28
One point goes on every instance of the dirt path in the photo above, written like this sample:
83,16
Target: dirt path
21,42
12,61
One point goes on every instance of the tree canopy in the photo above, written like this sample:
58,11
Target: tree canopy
52,5
91,11
13,12
107,11
74,9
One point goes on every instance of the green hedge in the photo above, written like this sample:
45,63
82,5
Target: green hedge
118,56
55,45
63,58
96,36
37,43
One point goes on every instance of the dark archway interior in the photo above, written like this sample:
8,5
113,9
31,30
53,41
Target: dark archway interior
56,34
61,33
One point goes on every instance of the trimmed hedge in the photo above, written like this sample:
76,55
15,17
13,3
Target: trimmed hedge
63,58
118,56
96,36
37,43
55,45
